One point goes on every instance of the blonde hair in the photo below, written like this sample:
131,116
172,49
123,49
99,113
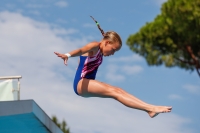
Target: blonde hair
110,35
113,37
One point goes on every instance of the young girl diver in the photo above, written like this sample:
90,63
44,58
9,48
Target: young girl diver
91,57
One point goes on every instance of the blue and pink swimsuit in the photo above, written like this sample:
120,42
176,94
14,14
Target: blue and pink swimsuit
87,68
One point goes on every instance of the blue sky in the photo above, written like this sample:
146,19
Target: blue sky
30,31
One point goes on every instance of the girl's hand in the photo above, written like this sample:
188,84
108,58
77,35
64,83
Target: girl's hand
62,56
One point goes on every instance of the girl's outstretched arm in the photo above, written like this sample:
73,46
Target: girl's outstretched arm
85,49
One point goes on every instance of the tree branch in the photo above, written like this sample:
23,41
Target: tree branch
183,61
198,71
188,47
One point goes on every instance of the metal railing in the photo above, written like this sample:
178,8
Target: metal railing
13,77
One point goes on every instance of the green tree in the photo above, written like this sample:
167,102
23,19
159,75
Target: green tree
62,126
173,38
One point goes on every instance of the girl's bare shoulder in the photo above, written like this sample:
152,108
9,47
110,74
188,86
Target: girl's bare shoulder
95,45
94,49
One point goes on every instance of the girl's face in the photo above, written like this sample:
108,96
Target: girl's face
110,48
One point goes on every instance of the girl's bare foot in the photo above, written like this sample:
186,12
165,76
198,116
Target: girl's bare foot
159,109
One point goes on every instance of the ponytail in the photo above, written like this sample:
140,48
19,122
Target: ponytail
102,32
110,35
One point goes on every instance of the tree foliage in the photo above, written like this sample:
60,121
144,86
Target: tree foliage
62,126
173,38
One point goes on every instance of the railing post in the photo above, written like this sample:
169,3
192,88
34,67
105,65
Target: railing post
13,77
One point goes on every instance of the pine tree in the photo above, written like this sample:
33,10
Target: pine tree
62,126
173,38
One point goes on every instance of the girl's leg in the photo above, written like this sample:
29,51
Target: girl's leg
151,113
93,88
129,95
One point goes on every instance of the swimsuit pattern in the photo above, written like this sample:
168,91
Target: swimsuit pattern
87,68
